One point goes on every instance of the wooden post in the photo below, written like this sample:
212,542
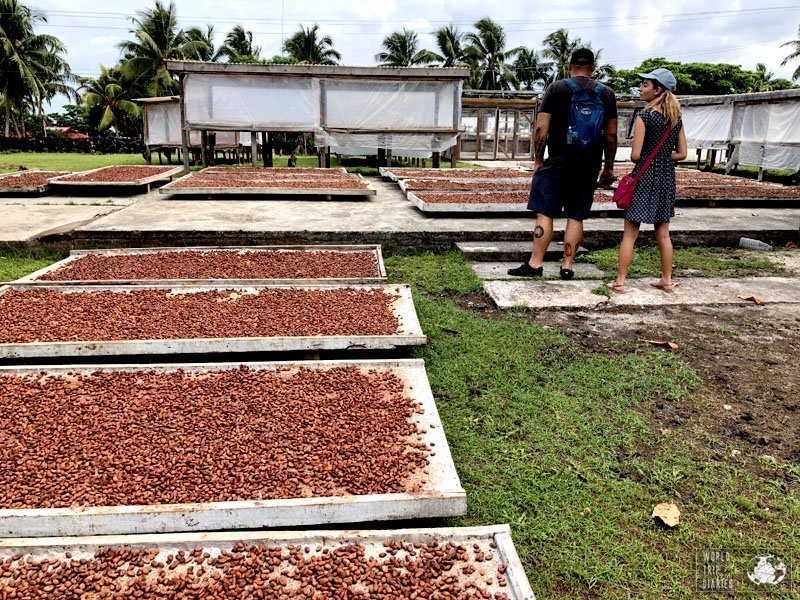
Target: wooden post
327,157
203,145
254,148
515,139
455,152
436,160
211,138
388,157
147,154
266,149
381,157
478,137
184,133
496,133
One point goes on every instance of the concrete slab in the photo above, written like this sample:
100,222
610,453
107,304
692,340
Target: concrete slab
24,222
389,219
58,200
544,294
509,251
497,270
539,294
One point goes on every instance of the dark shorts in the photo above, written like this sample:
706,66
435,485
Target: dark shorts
559,189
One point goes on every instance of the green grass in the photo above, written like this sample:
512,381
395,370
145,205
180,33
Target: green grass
541,430
16,264
696,262
64,161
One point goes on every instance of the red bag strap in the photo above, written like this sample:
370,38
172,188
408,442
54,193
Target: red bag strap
653,153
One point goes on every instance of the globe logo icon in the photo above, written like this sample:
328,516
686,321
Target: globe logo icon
766,570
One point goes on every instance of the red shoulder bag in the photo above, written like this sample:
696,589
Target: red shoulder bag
623,195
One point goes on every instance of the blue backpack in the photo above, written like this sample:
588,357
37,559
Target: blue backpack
587,117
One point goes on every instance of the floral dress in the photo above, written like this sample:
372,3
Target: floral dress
654,198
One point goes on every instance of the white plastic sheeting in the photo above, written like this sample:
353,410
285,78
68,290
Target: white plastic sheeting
764,135
164,128
370,151
250,102
707,126
358,104
343,112
397,142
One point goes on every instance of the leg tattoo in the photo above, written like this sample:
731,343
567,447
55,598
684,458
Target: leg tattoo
538,232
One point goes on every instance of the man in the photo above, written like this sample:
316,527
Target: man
567,179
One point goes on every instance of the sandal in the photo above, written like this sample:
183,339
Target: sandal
566,274
665,287
615,286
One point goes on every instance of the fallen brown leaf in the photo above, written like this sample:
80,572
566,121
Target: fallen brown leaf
755,299
667,513
586,512
789,244
663,343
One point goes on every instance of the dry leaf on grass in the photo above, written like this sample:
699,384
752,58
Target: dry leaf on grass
586,512
755,299
667,514
663,344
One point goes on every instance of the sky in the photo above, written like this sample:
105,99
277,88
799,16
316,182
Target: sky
737,32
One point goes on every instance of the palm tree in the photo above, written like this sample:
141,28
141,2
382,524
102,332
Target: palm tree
491,68
453,51
307,46
762,79
157,40
401,49
108,94
559,48
238,46
531,70
31,68
794,54
206,51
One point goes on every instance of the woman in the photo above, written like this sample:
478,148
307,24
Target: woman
654,198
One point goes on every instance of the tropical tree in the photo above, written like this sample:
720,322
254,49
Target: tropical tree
107,98
531,70
794,54
238,46
491,68
401,49
453,52
559,48
204,52
307,46
157,39
32,69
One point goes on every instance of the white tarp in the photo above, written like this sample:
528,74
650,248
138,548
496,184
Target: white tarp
368,151
707,126
248,102
764,135
326,105
164,127
399,143
389,104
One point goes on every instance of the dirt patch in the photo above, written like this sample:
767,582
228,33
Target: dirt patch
747,357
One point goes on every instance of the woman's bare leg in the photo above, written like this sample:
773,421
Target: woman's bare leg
666,252
626,250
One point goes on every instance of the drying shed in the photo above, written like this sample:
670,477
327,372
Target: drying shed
375,107
760,129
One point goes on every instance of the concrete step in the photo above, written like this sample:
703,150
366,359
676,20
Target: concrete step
509,251
498,270
548,294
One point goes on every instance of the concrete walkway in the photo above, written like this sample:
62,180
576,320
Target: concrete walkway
638,293
388,218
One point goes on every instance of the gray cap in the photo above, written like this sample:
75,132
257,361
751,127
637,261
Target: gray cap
662,76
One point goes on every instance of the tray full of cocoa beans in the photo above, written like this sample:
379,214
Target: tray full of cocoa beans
238,265
463,562
193,447
72,320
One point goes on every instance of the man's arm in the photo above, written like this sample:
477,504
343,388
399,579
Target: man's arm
610,152
540,139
